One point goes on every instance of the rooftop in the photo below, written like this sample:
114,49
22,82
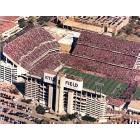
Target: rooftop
59,33
111,21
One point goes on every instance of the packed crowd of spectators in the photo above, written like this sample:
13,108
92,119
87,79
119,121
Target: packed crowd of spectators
109,71
26,43
105,56
131,89
35,50
51,61
37,53
109,43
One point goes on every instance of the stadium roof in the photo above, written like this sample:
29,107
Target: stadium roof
7,22
110,87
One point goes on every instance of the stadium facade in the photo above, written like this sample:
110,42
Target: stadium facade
63,93
8,73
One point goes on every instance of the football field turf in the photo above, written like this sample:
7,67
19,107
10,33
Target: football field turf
109,87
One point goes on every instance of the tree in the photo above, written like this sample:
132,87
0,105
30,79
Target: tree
88,118
43,19
22,23
28,101
68,117
64,118
40,109
128,30
45,121
31,21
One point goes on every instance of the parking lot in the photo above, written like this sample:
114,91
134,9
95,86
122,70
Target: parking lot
13,110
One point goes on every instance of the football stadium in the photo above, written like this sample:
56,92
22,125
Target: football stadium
96,67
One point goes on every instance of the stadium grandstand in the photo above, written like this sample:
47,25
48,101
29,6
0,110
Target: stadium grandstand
34,47
79,81
106,56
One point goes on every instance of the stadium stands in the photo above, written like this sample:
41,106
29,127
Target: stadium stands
27,60
100,68
95,54
106,56
35,48
109,43
50,61
26,43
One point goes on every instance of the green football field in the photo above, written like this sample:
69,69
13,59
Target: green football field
110,87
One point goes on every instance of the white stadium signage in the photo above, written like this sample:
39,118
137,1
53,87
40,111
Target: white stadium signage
69,83
49,78
72,84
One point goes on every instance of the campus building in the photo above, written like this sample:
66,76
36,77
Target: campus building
108,25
